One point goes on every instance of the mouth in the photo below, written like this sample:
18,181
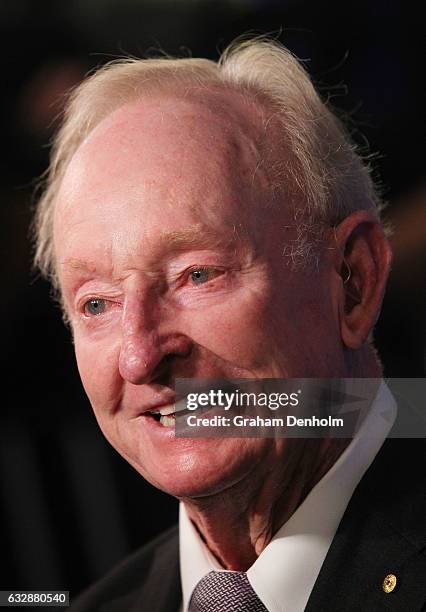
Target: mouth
166,415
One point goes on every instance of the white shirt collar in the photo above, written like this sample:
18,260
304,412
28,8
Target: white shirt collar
284,574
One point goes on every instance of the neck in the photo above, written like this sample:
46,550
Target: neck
239,522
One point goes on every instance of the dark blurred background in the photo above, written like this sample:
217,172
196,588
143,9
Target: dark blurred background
70,506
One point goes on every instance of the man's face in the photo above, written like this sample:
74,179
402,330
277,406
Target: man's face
171,265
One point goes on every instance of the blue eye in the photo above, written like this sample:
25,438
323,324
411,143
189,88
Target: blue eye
95,306
200,276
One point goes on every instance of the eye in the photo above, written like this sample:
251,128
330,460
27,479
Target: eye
95,307
202,275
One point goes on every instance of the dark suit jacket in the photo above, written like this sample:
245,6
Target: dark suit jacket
383,531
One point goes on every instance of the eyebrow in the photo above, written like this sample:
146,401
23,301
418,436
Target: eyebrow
169,244
75,263
200,237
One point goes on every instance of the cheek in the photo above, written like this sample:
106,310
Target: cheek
274,330
236,330
98,367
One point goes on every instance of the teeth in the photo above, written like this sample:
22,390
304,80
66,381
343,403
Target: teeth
165,410
170,409
167,421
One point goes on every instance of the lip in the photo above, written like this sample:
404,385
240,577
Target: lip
156,405
155,429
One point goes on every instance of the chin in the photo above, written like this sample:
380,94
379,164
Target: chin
205,468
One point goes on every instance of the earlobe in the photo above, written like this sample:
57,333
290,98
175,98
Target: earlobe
363,263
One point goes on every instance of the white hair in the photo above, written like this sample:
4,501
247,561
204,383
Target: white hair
318,157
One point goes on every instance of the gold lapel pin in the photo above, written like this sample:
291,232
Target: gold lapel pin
389,583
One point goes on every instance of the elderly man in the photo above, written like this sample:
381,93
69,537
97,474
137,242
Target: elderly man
208,220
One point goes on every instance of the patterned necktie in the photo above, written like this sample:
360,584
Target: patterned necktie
225,592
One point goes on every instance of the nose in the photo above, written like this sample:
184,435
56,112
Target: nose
146,343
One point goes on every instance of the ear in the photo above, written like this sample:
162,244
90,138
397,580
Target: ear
363,263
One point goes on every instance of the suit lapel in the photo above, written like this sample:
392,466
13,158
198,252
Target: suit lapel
382,532
161,591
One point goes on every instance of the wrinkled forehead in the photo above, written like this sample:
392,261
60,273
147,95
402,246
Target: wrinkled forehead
227,114
220,126
164,165
204,147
